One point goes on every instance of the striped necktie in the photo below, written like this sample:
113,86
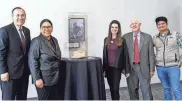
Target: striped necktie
22,40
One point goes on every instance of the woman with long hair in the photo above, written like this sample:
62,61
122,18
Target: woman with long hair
115,58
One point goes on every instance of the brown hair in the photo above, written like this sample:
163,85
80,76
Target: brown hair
118,38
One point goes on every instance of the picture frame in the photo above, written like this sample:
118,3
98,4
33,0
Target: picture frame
76,30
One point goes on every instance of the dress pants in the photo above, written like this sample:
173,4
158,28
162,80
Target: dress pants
133,81
48,93
113,76
15,88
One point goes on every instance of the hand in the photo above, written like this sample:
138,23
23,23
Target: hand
5,76
39,83
179,64
127,75
151,74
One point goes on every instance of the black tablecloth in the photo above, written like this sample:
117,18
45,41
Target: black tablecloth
83,79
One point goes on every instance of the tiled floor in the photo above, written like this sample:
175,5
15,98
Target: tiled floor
156,90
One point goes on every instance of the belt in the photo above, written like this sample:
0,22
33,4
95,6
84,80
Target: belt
136,63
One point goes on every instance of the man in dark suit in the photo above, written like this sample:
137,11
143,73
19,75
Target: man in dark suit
14,46
142,61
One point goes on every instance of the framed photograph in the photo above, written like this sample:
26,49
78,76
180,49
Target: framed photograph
76,30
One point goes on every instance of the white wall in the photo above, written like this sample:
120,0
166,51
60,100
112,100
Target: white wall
100,13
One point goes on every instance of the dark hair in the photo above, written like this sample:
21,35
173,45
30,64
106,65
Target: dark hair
118,38
17,8
161,18
46,20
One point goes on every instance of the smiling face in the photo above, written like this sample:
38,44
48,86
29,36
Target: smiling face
162,26
46,29
135,25
19,17
114,29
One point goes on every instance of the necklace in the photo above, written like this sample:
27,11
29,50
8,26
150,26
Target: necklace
112,41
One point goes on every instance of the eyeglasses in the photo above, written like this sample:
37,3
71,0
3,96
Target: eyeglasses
46,27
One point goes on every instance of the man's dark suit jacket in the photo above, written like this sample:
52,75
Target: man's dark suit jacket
44,60
122,58
12,57
147,57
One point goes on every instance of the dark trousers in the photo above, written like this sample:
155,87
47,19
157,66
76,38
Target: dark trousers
48,93
113,77
15,88
133,81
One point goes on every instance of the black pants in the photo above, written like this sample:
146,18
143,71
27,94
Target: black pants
48,93
113,77
15,88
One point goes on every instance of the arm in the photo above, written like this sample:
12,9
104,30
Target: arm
151,55
33,59
29,37
57,43
126,59
3,51
154,43
104,57
179,43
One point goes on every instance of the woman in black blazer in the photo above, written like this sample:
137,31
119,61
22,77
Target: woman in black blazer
44,62
115,58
